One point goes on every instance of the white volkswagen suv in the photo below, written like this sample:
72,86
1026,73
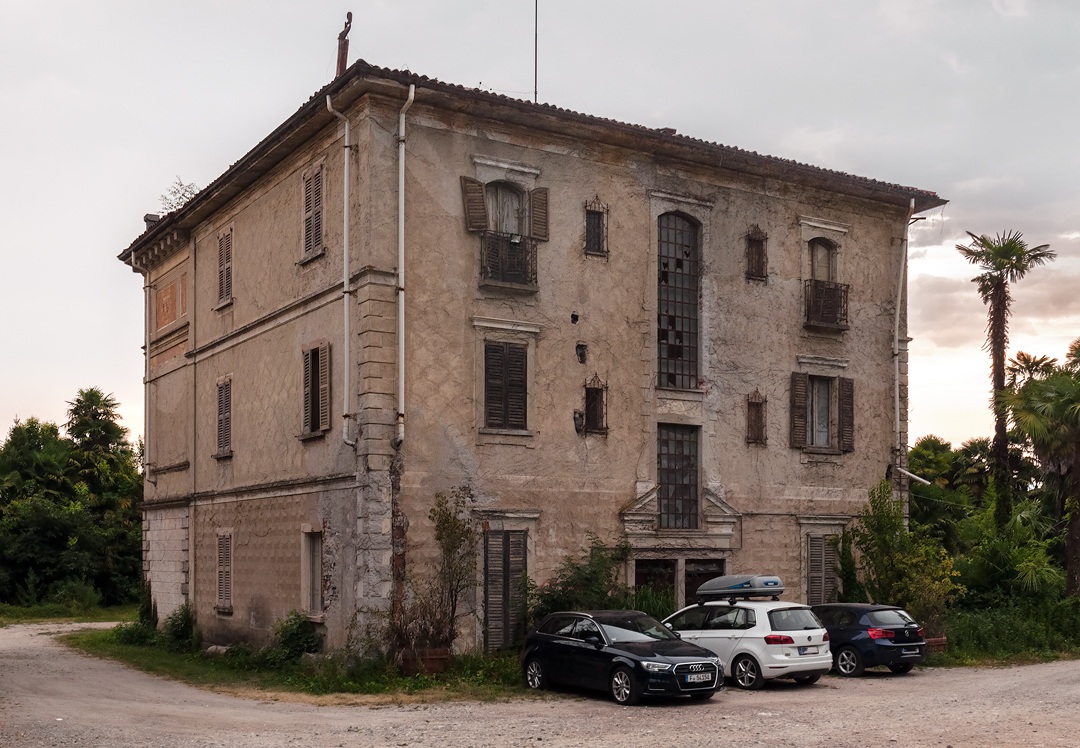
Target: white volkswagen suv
757,640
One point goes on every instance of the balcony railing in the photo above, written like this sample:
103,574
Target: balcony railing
508,259
826,304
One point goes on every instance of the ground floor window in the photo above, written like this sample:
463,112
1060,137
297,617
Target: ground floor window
667,576
505,566
822,562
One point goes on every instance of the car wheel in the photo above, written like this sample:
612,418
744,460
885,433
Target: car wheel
807,680
747,673
849,662
624,688
702,696
534,675
901,667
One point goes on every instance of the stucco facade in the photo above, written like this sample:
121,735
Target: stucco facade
577,392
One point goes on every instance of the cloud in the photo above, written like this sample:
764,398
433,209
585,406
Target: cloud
1011,8
946,312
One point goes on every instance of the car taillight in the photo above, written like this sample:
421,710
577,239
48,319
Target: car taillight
880,633
779,639
826,637
920,632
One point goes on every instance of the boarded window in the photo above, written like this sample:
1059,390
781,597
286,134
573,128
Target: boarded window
225,266
313,212
505,385
822,561
757,259
223,602
658,574
677,476
756,432
677,302
317,388
505,565
224,418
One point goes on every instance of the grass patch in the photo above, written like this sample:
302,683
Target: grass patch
63,613
246,671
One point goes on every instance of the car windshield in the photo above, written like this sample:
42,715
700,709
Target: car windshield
793,619
635,629
889,618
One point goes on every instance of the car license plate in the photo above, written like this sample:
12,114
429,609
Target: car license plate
808,650
698,677
908,651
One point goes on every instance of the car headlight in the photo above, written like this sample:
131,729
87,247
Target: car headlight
656,667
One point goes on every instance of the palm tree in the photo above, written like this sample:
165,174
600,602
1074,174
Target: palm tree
1003,260
93,421
1047,410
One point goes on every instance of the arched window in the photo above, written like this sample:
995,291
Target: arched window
822,260
505,208
678,267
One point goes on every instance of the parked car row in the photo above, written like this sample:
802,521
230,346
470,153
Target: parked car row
731,632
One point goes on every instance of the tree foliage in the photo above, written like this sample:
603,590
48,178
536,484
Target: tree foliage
178,195
68,506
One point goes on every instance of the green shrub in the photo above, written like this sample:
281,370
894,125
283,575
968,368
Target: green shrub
1045,630
77,595
179,630
136,633
296,636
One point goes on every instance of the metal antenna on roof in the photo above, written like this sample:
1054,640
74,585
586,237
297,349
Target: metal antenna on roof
536,18
343,46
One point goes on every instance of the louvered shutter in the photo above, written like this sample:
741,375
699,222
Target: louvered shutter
815,570
517,550
224,417
225,266
847,414
476,213
494,384
308,373
516,387
505,553
800,384
313,212
538,214
224,571
324,387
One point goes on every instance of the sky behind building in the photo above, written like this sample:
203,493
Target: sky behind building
105,104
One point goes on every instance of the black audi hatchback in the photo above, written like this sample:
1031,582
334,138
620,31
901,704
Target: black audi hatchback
625,652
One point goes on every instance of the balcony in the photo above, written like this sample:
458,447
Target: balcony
507,261
826,305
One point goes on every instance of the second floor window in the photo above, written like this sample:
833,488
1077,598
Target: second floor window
313,212
822,413
316,389
826,300
505,385
225,266
678,266
224,417
510,222
677,476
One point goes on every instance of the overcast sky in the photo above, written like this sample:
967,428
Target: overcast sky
104,104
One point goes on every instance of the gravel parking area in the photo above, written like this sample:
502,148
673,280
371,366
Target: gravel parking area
53,696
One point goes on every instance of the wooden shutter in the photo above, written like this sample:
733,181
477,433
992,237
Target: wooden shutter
476,213
494,384
538,214
822,558
225,266
224,417
847,414
308,383
324,387
756,432
505,554
516,386
313,212
800,384
224,571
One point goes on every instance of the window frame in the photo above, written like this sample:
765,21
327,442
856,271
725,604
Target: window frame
316,389
225,268
312,600
841,413
224,403
595,242
757,425
505,559
822,559
678,300
757,254
224,579
313,213
595,406
506,385
681,445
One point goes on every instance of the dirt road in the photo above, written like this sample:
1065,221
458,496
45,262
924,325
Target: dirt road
52,696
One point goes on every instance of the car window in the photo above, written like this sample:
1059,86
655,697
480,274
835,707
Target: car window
729,619
793,619
585,630
889,618
846,618
559,626
691,619
635,629
828,616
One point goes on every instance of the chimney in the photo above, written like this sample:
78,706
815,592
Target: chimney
343,46
150,219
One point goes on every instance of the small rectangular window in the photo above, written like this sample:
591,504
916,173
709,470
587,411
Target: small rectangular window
595,406
757,260
225,267
311,571
756,432
223,603
224,417
505,385
316,389
596,227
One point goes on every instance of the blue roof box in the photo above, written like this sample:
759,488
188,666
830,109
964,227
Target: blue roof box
741,586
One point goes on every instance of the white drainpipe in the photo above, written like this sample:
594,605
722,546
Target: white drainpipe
401,271
346,289
896,332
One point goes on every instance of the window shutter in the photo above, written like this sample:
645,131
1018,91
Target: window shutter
847,414
516,386
224,571
307,428
476,214
313,238
324,387
224,417
756,432
505,554
815,570
494,384
538,214
225,266
800,384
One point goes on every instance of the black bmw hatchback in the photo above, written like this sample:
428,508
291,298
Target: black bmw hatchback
624,652
863,635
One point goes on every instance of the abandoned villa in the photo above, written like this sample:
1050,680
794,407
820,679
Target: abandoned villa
597,327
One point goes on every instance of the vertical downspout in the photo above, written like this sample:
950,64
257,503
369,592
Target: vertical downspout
193,343
896,333
401,270
346,290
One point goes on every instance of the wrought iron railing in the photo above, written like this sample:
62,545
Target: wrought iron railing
826,304
508,258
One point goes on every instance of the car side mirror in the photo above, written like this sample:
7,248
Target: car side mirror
595,640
